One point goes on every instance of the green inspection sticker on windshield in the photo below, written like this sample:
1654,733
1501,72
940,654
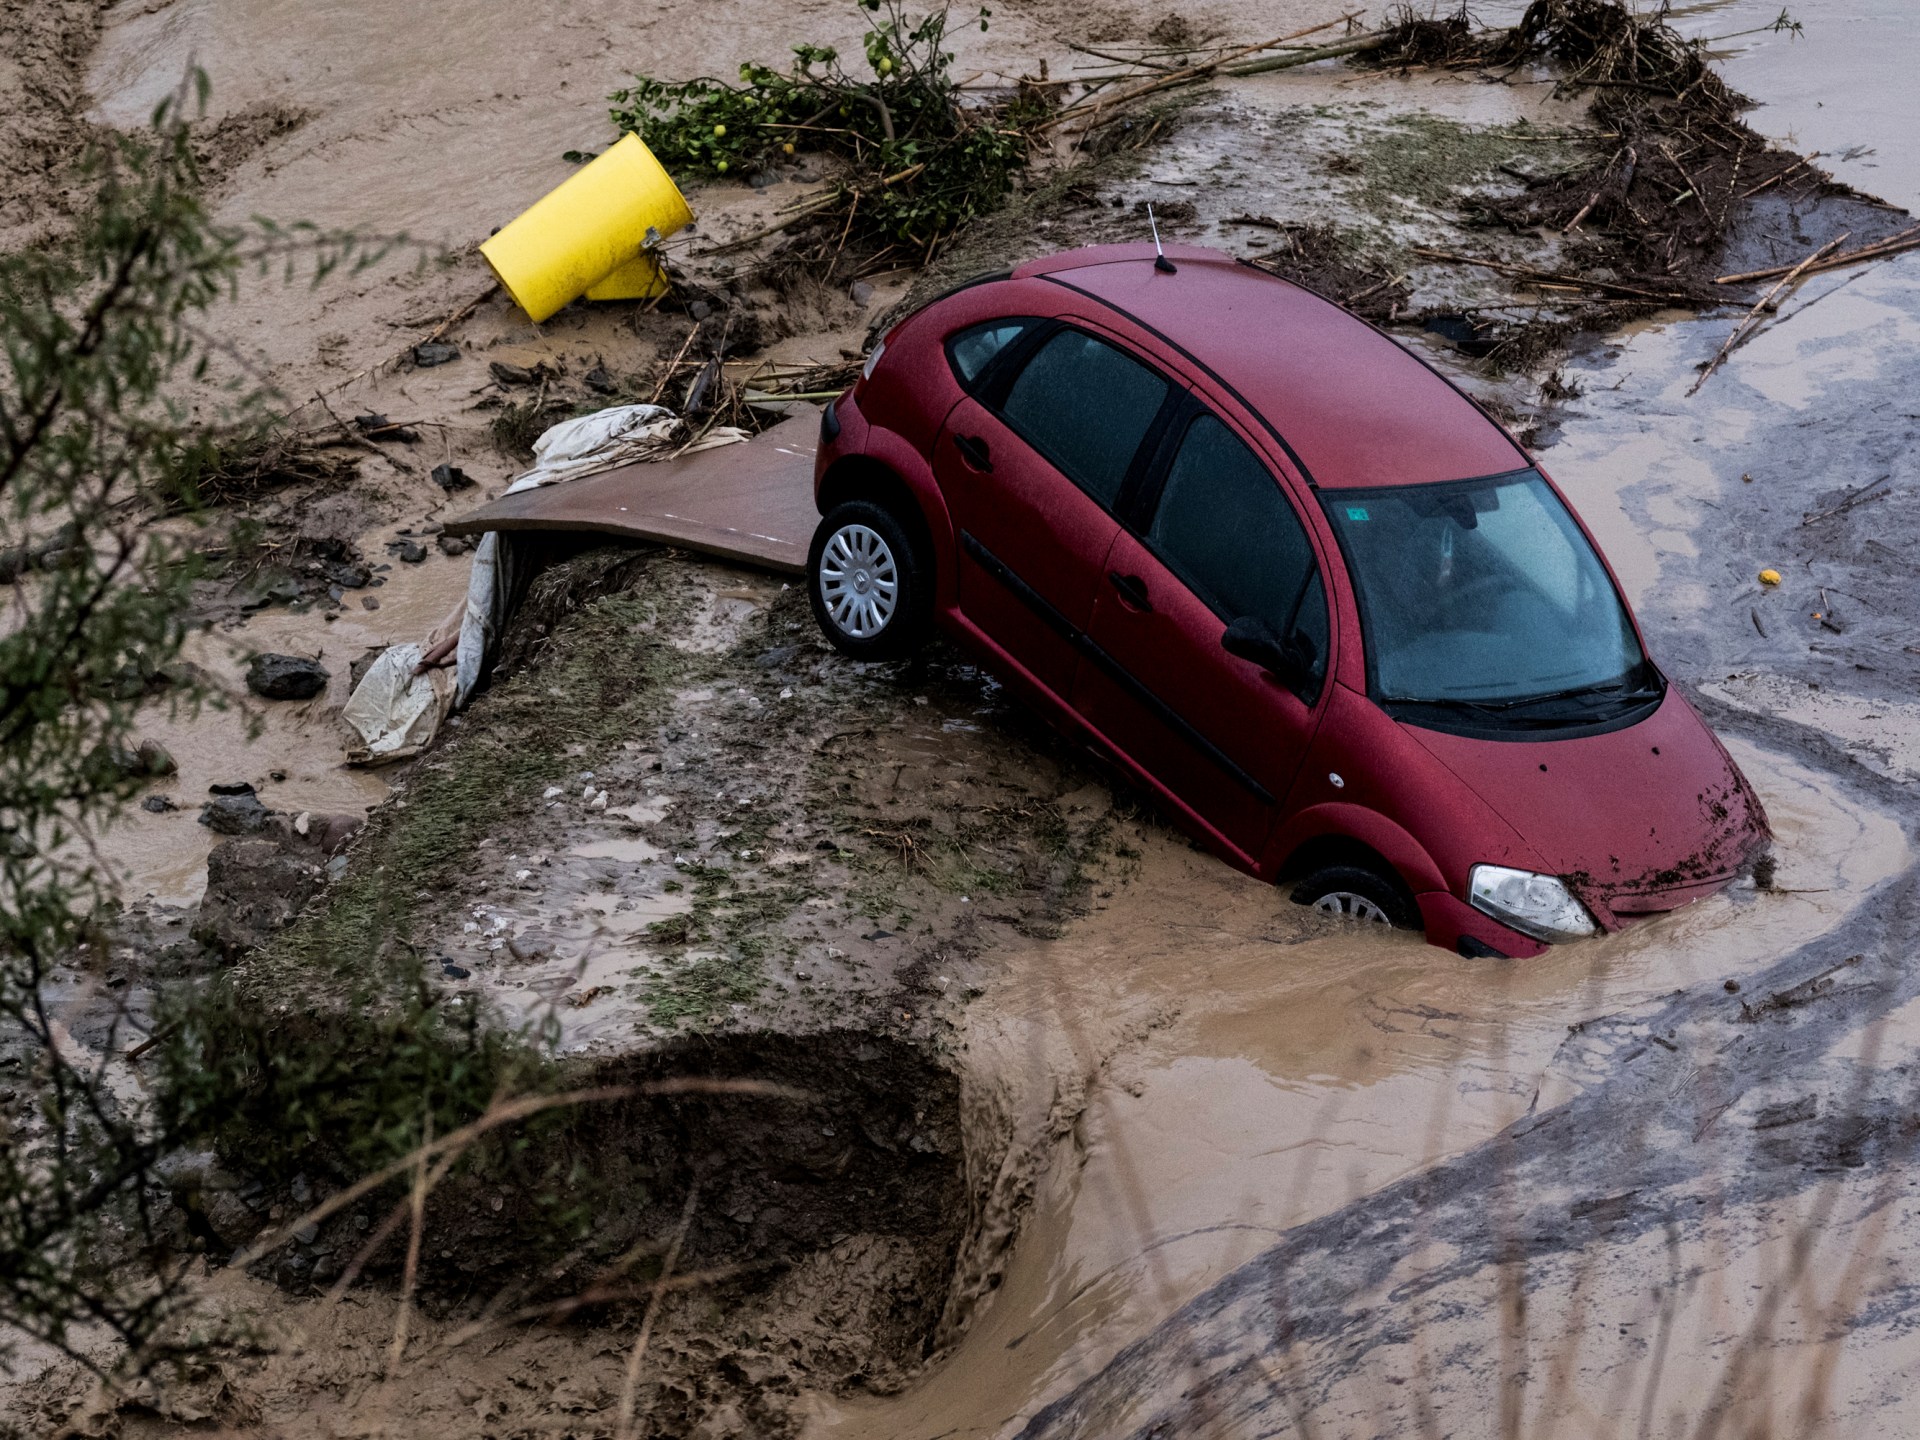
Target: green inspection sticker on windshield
1356,512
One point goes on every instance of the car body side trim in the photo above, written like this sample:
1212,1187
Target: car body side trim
1083,643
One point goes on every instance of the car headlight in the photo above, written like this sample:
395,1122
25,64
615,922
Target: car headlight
1536,905
866,371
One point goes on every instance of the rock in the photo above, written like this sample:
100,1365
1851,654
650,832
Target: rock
351,575
862,292
229,1217
235,815
157,805
600,381
431,354
330,833
286,677
230,787
508,374
369,602
452,477
531,945
411,552
699,310
156,759
454,972
255,886
13,563
454,544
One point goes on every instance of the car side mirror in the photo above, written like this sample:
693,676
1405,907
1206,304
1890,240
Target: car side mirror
1251,638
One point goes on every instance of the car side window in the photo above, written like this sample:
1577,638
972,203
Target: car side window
1086,406
973,349
1225,527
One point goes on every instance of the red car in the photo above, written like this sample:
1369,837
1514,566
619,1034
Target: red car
1287,576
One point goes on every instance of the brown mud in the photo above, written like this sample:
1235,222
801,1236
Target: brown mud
1190,1160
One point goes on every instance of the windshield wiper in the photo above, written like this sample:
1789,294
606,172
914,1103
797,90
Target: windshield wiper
1502,709
1617,691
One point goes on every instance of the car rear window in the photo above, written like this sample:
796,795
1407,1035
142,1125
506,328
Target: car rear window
1224,526
1086,407
973,349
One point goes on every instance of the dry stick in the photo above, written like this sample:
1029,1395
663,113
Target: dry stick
673,365
1755,316
623,1424
411,1275
1892,245
1195,73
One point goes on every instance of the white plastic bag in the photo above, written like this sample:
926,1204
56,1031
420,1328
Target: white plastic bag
394,711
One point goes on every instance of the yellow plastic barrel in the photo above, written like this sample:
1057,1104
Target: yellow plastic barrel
588,227
641,278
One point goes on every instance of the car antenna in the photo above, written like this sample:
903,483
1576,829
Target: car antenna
1160,260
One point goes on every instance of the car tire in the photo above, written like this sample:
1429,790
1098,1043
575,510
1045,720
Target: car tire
870,582
1355,892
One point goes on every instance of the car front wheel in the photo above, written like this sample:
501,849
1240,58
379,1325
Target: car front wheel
869,583
1355,892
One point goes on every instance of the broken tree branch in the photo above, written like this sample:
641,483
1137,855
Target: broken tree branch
1758,313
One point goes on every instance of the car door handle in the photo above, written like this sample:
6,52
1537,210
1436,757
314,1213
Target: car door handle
1133,590
974,451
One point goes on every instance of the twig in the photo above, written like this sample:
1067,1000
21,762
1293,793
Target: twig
1755,316
623,1423
417,1215
673,365
1863,493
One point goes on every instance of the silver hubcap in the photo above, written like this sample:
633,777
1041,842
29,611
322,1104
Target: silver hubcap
859,582
1351,906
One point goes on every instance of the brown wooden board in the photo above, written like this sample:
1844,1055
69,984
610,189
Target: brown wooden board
752,503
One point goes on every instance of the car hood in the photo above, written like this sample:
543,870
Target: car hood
1640,819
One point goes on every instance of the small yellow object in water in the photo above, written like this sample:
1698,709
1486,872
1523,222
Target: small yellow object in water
1769,577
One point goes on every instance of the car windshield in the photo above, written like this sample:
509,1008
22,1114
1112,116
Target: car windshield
1484,595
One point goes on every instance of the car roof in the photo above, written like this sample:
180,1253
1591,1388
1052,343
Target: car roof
1352,407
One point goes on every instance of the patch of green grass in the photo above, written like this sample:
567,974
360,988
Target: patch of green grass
701,987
